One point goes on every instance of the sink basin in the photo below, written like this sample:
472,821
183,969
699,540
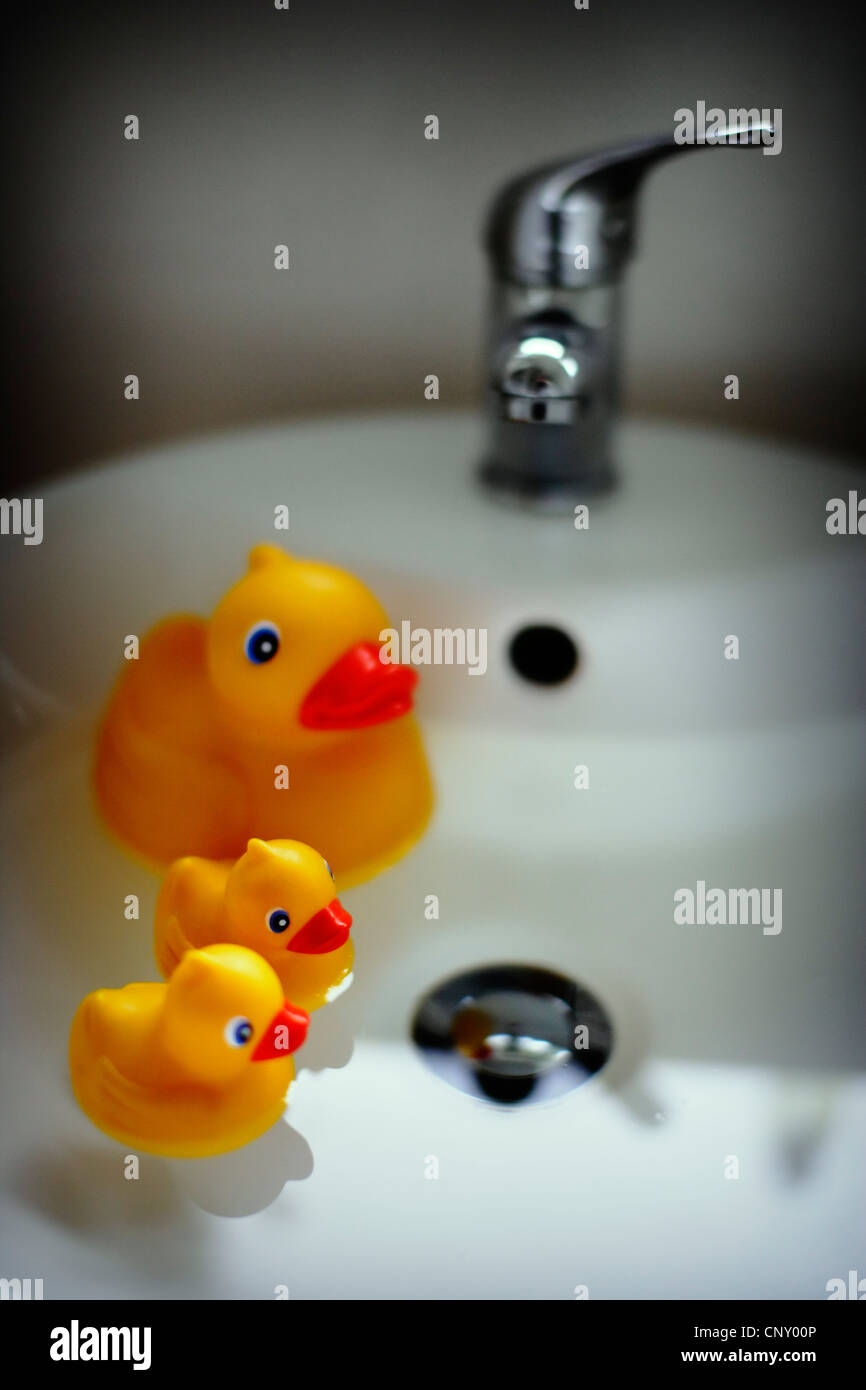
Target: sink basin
717,1153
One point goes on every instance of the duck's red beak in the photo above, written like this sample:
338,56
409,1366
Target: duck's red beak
326,930
359,690
284,1034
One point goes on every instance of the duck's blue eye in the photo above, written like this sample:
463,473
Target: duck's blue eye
262,643
328,867
278,920
238,1031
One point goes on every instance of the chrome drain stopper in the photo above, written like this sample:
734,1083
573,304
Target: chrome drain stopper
512,1033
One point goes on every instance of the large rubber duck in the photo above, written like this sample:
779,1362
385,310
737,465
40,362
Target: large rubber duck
275,718
278,899
194,1067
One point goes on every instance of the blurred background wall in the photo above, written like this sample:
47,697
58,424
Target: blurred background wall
306,127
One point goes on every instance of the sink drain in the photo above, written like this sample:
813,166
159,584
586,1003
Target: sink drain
543,654
512,1033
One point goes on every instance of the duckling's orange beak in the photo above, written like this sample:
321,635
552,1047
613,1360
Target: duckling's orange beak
326,930
359,690
284,1034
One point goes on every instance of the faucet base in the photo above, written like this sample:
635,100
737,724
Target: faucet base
536,465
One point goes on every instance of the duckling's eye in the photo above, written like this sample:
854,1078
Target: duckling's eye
262,643
278,920
238,1031
328,867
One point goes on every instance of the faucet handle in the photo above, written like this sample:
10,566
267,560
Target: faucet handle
571,223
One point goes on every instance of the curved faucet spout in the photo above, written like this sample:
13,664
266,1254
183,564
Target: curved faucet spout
559,238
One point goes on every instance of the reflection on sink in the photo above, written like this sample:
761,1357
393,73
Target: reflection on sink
743,773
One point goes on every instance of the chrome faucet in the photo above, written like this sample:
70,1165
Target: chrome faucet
559,239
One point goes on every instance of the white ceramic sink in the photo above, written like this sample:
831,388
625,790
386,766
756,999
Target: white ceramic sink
729,1042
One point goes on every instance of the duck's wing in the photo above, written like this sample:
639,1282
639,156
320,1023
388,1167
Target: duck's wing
168,800
148,1117
119,1106
175,1122
161,778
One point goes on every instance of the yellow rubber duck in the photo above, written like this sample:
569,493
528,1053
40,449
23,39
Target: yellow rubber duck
278,899
274,718
174,1069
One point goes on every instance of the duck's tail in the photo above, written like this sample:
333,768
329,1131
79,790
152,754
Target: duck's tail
169,945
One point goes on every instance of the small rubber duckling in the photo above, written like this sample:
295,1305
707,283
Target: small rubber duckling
274,718
278,899
173,1069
